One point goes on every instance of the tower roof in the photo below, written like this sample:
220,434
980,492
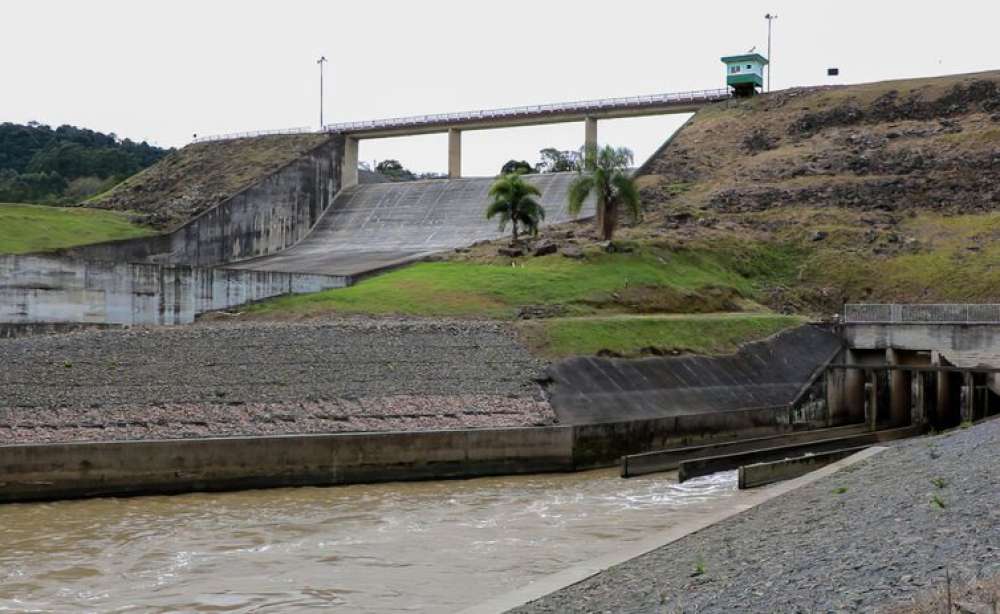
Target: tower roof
746,57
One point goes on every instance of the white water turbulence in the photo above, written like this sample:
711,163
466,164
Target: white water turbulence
402,547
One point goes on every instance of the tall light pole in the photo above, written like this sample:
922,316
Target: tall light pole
770,18
321,61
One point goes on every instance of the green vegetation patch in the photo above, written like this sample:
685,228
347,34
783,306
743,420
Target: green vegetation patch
604,282
32,228
638,335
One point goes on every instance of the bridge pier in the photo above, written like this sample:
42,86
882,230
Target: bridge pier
454,153
899,391
918,394
349,166
968,398
590,133
871,399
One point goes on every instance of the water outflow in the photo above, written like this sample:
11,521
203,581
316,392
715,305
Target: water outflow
413,547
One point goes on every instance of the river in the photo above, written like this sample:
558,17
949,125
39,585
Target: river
401,547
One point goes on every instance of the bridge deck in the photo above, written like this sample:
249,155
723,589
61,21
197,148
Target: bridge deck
678,102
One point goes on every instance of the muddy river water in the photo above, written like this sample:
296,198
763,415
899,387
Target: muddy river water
413,547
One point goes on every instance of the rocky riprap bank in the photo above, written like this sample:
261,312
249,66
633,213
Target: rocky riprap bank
216,379
867,538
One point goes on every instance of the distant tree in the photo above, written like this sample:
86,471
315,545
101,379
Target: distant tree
394,170
514,202
520,167
389,166
556,161
605,175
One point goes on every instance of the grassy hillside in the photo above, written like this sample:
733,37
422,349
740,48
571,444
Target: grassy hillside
793,203
647,281
885,192
31,228
202,175
647,301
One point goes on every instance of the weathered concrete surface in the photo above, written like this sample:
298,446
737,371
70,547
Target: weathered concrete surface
762,474
47,289
698,467
58,471
268,216
633,465
599,444
850,542
372,226
908,336
764,374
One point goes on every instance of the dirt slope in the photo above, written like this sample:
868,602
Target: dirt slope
202,175
891,146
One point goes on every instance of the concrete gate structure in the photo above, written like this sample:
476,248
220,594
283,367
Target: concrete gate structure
910,364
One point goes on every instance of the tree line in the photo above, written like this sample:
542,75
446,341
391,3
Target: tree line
41,164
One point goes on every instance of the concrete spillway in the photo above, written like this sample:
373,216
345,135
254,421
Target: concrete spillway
371,226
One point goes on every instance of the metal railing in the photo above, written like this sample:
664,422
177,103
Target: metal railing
581,106
941,313
255,133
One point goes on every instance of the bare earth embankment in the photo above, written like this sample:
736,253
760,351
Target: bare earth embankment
220,380
878,535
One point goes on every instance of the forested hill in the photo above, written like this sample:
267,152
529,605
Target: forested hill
65,164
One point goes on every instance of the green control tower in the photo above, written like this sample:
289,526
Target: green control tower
745,73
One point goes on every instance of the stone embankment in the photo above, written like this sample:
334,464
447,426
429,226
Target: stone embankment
874,536
219,379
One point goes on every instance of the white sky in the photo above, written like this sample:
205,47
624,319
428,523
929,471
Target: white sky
161,71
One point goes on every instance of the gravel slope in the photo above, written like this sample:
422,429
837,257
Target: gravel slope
825,549
232,379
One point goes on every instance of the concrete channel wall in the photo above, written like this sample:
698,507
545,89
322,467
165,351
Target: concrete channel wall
269,216
946,336
44,289
69,470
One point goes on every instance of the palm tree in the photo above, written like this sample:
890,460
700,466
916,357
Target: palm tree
514,202
605,174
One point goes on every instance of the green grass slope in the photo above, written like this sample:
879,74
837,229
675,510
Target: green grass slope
647,281
32,228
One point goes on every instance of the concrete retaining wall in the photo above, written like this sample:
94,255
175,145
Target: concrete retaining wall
769,373
37,472
271,215
40,289
58,471
596,445
908,336
762,474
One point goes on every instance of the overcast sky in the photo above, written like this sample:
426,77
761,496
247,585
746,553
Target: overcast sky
161,71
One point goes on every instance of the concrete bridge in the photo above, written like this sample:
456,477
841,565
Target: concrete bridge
586,111
905,364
